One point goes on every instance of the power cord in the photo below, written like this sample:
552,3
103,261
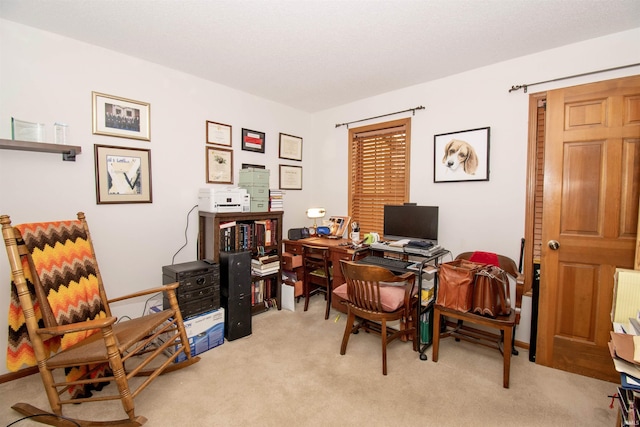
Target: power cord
186,238
45,415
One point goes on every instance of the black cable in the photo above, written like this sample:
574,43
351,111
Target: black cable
45,415
144,310
186,239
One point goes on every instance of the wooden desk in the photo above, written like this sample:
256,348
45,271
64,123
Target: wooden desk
338,251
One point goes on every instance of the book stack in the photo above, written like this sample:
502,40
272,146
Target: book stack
265,265
276,202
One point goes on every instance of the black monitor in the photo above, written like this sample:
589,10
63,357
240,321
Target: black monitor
411,222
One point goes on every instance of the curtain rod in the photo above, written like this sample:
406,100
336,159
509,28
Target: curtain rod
383,115
525,86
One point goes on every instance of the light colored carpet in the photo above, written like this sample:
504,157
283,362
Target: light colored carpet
290,372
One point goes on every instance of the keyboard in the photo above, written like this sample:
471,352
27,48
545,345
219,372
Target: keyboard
388,263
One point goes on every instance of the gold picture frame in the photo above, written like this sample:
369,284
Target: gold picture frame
121,117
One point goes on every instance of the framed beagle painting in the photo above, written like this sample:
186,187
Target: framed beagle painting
461,156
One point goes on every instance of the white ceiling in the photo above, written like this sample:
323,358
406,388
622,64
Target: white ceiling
317,54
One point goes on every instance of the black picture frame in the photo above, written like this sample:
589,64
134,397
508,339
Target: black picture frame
290,147
253,140
461,156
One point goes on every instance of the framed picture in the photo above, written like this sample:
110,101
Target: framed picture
125,118
249,165
290,147
290,177
218,134
123,175
252,140
219,165
338,225
461,156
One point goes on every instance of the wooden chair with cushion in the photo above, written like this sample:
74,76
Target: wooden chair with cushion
502,341
317,274
60,320
376,296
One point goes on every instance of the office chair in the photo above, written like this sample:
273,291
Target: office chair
375,296
317,274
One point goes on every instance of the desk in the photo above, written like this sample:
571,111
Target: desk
338,250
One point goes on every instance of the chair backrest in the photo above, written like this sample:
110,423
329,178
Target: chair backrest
316,258
55,276
364,283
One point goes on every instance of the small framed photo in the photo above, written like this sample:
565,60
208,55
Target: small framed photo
121,117
218,134
461,156
250,165
219,165
338,225
290,147
252,140
290,177
123,175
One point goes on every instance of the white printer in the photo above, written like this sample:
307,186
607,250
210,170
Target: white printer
228,199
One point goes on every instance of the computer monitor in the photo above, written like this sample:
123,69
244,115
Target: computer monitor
411,222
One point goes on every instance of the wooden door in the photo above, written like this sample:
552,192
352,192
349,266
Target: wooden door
589,221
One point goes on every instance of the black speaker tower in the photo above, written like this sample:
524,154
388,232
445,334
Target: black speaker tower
235,293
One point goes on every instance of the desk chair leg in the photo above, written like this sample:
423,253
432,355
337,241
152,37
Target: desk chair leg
513,343
508,343
436,335
305,292
328,298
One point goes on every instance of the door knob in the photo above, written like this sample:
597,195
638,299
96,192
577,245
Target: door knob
554,245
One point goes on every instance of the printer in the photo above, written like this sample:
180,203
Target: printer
228,199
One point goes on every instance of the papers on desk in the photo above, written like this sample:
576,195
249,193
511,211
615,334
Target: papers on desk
399,243
626,295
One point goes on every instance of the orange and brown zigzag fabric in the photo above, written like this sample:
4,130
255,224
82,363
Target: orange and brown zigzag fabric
65,265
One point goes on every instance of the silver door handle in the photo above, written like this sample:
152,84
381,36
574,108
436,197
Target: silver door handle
554,245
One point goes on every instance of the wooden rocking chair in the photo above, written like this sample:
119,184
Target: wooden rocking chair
59,300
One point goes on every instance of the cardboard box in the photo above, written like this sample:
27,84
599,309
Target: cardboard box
204,332
291,261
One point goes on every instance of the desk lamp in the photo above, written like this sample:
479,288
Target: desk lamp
315,213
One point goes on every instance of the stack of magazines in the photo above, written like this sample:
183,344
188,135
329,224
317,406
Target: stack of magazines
265,265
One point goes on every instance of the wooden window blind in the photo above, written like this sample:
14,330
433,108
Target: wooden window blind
539,186
378,171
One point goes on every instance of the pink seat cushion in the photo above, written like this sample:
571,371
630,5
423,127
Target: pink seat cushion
391,296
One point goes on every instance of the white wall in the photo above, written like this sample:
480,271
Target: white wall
47,78
473,215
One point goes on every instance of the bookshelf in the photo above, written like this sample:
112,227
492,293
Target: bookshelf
247,231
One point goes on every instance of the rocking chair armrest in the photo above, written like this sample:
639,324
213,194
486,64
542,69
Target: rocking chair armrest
171,287
78,327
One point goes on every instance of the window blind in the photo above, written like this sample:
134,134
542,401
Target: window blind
379,171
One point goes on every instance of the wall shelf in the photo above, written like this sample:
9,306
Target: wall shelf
68,152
